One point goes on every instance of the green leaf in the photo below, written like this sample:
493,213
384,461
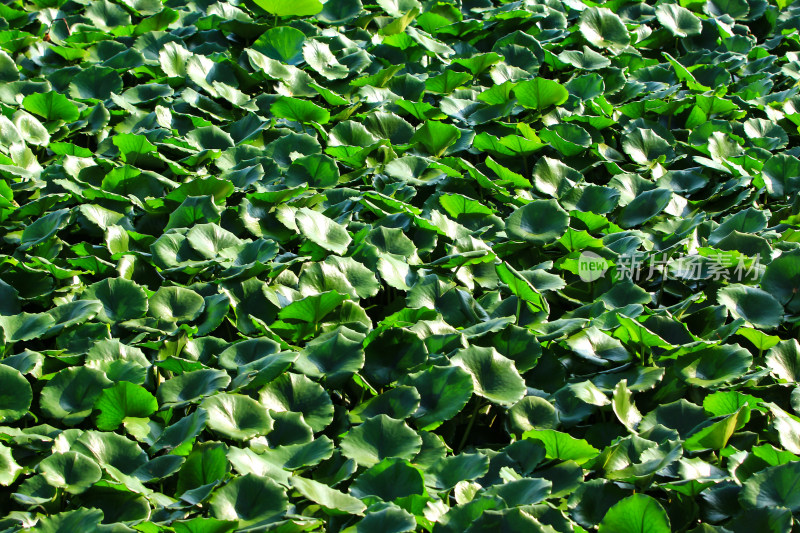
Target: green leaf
592,500
351,133
210,138
15,395
780,174
341,274
250,499
312,309
51,106
293,457
521,287
587,59
712,366
512,519
436,137
787,429
119,361
8,69
107,15
209,240
397,8
191,386
247,354
644,146
737,9
173,58
379,438
528,491
194,209
316,170
538,222
332,500
9,134
597,347
207,464
457,204
319,57
95,83
782,280
494,377
398,403
389,480
644,207
175,304
182,432
204,525
70,396
298,110
122,299
443,392
638,513
554,178
540,93
760,340
237,417
531,412
31,129
603,28
385,517
295,8
776,486
756,306
569,139
624,408
9,300
282,43
71,471
335,355
340,12
783,360
111,450
447,473
133,147
9,469
123,400
562,446
446,82
678,20
77,520
42,229
322,230
775,520
25,326
290,429
478,63
293,392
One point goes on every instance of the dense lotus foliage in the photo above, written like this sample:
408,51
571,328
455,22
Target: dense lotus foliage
449,267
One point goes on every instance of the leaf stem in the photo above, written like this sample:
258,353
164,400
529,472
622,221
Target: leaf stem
641,349
469,425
